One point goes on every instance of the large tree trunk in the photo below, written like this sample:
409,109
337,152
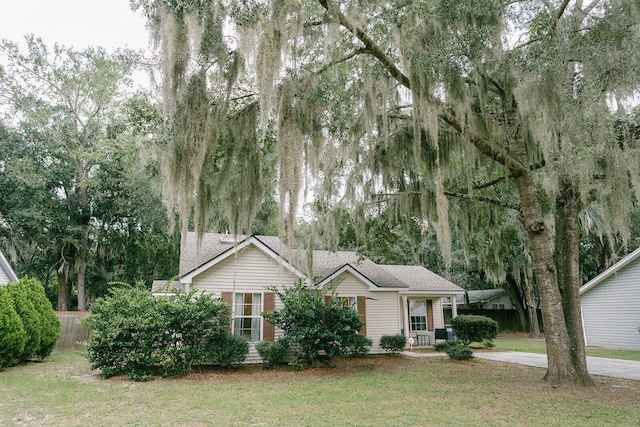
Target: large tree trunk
568,208
560,368
64,294
85,218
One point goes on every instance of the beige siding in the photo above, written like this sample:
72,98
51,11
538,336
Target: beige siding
610,310
383,311
251,270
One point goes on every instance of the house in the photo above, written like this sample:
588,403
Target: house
6,272
610,302
391,299
489,299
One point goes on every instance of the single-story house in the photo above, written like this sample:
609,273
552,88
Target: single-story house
610,305
6,272
489,299
392,299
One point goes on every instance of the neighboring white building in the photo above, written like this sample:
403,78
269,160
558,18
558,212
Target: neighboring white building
6,272
611,306
390,299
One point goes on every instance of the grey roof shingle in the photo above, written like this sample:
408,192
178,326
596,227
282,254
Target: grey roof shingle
324,263
419,278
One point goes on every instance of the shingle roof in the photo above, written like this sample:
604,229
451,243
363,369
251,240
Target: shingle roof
420,279
484,295
412,278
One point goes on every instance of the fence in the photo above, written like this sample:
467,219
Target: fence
73,333
507,319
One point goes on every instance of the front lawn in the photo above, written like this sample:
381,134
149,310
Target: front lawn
383,390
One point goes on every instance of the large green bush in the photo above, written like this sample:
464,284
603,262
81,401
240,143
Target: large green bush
49,324
12,334
30,319
472,328
138,335
393,343
316,329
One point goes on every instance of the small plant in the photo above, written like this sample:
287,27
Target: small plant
458,351
228,351
472,328
358,345
272,353
393,343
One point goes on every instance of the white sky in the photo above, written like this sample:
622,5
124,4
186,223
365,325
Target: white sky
78,23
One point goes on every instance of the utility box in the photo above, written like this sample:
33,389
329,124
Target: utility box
449,331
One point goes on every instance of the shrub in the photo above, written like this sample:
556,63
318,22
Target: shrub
138,335
358,345
271,352
472,328
228,351
458,351
12,334
30,319
318,330
393,343
49,324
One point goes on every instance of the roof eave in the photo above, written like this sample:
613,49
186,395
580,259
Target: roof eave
610,271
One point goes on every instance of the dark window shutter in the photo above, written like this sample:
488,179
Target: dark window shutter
227,297
327,298
362,311
429,315
269,304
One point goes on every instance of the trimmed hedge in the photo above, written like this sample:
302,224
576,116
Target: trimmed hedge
393,343
28,325
271,352
472,328
12,334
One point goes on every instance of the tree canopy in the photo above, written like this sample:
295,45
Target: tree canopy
429,106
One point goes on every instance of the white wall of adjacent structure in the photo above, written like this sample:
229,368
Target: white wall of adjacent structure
383,316
610,310
4,278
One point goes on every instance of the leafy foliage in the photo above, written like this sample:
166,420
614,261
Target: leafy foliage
12,334
317,330
472,328
48,321
458,351
30,319
140,336
393,343
271,352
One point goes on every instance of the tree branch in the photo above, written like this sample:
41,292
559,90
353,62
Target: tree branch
371,45
476,198
343,59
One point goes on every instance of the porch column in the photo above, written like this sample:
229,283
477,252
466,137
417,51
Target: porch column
454,307
405,317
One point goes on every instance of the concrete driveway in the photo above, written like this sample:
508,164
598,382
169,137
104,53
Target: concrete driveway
627,369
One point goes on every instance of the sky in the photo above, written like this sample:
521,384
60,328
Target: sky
78,23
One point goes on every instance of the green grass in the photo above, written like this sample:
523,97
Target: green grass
538,346
380,391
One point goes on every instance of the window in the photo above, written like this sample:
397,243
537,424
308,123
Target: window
247,315
418,314
497,306
350,302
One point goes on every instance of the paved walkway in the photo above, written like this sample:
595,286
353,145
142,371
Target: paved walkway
627,369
